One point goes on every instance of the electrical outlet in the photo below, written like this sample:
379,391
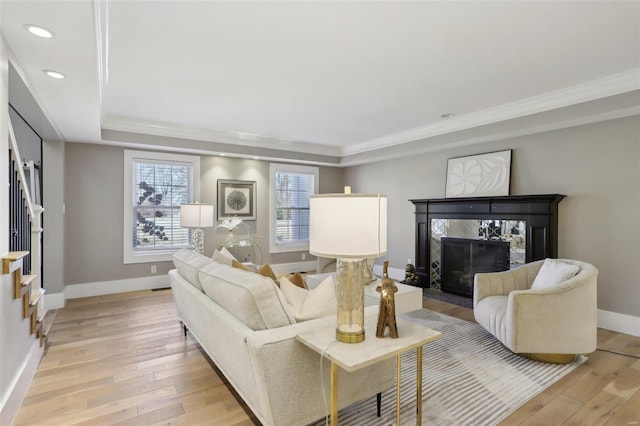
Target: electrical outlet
304,256
153,269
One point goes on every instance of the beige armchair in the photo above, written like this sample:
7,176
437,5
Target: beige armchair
550,324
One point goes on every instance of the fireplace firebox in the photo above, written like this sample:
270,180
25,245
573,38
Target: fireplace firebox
462,258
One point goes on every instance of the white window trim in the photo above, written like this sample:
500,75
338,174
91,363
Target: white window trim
286,168
129,256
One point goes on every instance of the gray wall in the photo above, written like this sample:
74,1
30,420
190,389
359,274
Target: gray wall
597,166
53,170
94,205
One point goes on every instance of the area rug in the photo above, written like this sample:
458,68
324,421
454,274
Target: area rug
468,378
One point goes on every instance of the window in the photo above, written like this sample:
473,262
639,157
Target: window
290,189
155,185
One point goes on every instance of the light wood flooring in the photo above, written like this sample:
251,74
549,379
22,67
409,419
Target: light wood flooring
122,359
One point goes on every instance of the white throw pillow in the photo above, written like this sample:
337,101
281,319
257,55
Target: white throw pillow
309,304
552,273
223,256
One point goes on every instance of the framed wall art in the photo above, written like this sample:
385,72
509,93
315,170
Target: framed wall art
236,198
481,175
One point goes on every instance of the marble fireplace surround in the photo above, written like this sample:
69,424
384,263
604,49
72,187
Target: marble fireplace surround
536,217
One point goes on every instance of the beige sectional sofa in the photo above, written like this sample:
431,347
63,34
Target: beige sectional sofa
244,324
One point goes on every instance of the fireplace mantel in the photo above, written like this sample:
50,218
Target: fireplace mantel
540,212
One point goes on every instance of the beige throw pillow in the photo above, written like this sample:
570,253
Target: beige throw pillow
309,304
242,266
266,271
552,273
298,280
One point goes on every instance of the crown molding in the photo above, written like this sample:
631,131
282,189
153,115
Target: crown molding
218,136
596,89
390,153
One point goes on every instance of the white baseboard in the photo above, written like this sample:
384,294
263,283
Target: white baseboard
17,389
283,268
621,323
101,288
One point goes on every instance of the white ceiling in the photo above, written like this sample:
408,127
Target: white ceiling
324,77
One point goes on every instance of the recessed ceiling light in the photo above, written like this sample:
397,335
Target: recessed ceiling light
54,74
448,115
39,31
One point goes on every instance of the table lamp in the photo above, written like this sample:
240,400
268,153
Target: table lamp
196,216
349,228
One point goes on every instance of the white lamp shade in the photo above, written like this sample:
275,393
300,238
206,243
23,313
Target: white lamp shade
196,215
348,226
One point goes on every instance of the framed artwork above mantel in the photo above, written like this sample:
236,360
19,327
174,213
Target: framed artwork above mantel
479,175
236,198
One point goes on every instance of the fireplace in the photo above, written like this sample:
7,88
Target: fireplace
526,224
462,258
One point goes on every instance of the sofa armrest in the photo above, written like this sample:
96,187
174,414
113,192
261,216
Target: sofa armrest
560,320
503,283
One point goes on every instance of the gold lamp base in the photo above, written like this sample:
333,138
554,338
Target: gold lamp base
346,337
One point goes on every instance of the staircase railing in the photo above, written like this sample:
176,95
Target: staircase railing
25,217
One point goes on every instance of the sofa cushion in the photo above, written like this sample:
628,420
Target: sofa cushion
188,264
248,296
552,273
309,304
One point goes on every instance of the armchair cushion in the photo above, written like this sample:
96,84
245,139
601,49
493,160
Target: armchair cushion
552,273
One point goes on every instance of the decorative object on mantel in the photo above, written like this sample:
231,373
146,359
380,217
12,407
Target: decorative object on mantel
236,198
350,228
196,216
387,313
410,276
479,175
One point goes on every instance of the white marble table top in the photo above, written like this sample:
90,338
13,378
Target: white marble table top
353,356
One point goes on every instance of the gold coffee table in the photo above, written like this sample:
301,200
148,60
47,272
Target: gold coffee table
354,356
